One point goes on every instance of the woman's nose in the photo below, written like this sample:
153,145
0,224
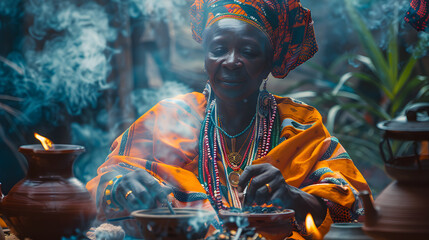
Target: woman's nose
233,60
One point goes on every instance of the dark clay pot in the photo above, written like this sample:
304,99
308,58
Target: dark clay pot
346,231
49,202
274,226
186,223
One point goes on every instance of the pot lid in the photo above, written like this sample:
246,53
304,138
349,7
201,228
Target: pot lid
414,125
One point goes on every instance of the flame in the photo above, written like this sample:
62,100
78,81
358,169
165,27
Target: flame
46,143
267,205
311,227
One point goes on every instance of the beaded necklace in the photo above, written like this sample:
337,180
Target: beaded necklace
233,158
212,148
238,134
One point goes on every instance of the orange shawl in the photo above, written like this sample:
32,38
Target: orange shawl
164,141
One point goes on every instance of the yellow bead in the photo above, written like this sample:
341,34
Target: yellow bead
110,182
107,192
109,202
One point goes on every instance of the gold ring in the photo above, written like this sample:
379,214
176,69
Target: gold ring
269,188
128,194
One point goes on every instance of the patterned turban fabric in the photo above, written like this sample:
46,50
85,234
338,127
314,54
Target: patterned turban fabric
418,15
286,23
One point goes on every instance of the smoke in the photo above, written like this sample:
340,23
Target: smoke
10,9
155,8
69,70
60,63
144,99
377,15
421,48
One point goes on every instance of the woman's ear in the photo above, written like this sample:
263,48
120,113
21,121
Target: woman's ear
268,68
270,56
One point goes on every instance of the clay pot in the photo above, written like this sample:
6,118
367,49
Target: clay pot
49,203
2,237
346,231
400,211
271,225
160,224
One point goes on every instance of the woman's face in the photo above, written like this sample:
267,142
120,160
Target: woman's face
238,56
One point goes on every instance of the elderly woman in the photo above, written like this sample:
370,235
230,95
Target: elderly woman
193,148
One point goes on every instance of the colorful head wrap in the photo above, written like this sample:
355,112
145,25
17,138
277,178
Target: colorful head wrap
418,15
287,24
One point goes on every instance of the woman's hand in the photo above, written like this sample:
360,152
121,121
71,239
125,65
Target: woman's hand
267,185
140,190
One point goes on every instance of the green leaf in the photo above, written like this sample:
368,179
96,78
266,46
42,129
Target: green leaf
343,79
367,61
406,72
332,113
369,44
392,50
424,91
302,94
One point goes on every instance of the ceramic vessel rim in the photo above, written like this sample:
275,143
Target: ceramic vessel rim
347,225
58,148
154,213
286,213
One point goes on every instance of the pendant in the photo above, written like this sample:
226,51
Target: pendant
234,178
234,158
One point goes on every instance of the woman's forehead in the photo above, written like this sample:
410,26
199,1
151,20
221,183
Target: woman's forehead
234,26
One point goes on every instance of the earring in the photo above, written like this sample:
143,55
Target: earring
208,94
207,91
264,101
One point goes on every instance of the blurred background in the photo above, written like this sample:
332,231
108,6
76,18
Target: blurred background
81,71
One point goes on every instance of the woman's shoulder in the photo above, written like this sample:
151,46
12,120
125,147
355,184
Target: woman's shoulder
290,108
185,104
194,103
193,99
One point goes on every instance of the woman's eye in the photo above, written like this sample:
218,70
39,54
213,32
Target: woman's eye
218,51
250,52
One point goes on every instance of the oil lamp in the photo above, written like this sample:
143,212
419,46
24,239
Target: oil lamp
401,211
49,203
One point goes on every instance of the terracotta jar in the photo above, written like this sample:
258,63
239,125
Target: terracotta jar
49,202
401,210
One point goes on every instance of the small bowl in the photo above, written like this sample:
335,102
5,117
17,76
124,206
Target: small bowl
280,223
187,223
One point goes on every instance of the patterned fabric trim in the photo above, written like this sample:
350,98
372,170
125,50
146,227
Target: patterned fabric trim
290,122
189,197
123,142
418,15
343,214
110,191
336,181
342,155
331,149
315,177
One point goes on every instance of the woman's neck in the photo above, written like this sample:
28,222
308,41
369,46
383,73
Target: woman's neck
236,116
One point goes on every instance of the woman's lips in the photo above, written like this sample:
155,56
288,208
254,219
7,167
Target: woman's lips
230,83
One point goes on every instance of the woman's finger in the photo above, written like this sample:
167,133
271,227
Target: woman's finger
257,190
248,173
127,196
154,188
145,197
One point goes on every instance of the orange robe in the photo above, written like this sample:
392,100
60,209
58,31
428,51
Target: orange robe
164,141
